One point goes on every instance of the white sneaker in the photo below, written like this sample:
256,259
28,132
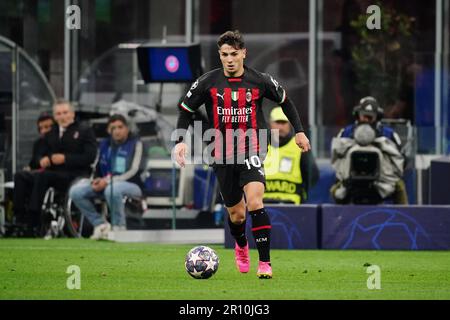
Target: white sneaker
101,231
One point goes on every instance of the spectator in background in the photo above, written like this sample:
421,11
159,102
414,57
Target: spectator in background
290,173
69,149
23,180
120,163
44,124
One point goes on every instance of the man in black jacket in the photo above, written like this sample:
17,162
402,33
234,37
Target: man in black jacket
69,150
23,180
45,123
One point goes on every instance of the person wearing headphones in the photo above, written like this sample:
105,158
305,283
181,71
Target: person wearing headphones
369,112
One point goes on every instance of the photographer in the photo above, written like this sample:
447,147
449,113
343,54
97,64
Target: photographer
367,158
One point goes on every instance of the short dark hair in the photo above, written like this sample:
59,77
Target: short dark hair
44,116
232,38
117,117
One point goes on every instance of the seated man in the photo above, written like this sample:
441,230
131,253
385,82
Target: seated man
289,171
23,180
120,163
68,151
368,134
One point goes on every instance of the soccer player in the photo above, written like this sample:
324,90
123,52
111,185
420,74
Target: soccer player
233,97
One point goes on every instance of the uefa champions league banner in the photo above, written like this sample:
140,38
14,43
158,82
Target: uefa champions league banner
386,227
293,227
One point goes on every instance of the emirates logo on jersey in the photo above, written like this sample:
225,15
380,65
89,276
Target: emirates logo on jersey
234,115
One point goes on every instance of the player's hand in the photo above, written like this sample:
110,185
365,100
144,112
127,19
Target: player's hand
99,184
302,141
45,162
58,158
180,152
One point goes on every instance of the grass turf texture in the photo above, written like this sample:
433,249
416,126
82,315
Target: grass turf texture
36,269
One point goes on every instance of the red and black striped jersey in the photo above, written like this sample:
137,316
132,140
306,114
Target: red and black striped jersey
234,108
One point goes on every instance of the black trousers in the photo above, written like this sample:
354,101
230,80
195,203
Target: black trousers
44,180
23,184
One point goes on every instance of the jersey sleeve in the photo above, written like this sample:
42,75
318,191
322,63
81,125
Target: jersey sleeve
273,90
195,97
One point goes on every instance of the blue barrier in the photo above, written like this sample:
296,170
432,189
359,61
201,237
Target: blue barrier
386,227
293,227
390,227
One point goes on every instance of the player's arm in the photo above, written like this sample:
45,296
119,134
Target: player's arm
291,113
192,101
180,150
275,92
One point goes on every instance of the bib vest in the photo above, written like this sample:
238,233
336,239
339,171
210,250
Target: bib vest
283,176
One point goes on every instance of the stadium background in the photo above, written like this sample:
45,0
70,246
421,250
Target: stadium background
308,46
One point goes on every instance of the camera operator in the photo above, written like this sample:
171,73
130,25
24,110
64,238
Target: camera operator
367,134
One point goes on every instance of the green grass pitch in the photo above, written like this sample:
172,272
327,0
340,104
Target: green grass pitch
36,269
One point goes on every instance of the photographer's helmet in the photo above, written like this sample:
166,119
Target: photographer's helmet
370,108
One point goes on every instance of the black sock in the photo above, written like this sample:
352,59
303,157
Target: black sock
261,232
238,232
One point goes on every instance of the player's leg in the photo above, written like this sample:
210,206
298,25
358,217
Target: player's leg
261,226
237,223
233,198
252,179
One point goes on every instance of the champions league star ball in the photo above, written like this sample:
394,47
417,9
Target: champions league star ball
201,262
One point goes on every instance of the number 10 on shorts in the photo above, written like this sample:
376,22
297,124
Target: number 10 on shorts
255,162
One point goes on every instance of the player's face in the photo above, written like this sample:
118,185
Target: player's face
45,126
284,127
366,118
232,60
119,131
63,115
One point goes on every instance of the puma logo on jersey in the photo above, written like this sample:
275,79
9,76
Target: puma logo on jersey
220,95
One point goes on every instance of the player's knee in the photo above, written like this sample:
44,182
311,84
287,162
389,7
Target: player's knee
254,204
237,219
237,215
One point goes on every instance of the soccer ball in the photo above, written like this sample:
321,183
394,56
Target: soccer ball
201,262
